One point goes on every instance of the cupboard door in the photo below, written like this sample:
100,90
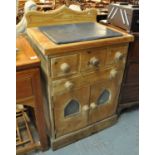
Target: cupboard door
71,110
103,100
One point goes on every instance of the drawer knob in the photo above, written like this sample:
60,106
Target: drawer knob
94,61
93,105
118,56
69,85
113,73
85,108
65,67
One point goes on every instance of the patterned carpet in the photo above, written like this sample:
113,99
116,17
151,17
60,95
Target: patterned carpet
120,139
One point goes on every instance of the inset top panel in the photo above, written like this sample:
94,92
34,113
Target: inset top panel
69,33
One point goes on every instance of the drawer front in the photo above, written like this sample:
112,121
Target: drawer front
67,84
24,88
93,59
116,55
112,73
25,83
64,65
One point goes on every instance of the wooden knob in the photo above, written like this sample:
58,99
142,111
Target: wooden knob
118,55
65,67
94,61
113,73
85,108
69,85
93,105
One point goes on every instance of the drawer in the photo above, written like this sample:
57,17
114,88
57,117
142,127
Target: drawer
93,59
64,65
116,54
67,84
24,88
108,74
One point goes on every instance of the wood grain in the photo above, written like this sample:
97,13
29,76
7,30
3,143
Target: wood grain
28,85
82,133
62,15
25,57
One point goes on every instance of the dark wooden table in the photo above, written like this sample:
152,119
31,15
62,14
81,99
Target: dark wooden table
28,85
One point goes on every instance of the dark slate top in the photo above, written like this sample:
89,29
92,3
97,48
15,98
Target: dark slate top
69,33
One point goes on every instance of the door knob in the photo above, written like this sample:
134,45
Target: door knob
65,67
113,73
94,61
85,108
69,85
93,105
118,55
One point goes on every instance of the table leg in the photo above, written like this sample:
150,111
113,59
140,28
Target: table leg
40,121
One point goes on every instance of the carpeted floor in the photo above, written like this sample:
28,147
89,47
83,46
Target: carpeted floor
120,139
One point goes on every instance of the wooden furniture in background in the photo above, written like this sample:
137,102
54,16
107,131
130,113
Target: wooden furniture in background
82,80
129,94
28,88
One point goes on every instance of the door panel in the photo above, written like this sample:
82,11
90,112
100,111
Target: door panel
71,110
103,100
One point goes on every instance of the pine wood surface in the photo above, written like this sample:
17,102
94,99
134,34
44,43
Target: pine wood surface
62,15
25,57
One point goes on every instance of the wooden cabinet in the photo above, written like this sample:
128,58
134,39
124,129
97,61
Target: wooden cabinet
90,95
82,79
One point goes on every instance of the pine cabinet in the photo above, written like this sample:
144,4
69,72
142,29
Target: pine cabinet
81,79
82,91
